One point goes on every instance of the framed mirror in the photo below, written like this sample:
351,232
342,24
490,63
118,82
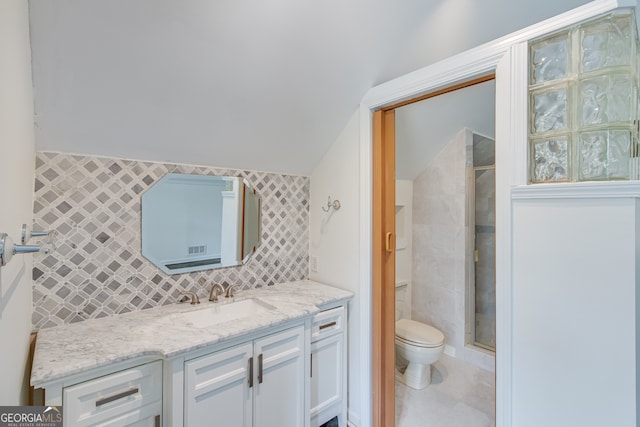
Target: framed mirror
199,222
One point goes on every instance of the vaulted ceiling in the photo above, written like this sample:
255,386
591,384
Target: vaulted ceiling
250,84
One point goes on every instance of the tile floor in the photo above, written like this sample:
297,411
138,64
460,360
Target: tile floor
460,395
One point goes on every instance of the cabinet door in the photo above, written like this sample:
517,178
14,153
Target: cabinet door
217,389
279,391
326,379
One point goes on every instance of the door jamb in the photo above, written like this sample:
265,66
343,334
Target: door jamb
383,288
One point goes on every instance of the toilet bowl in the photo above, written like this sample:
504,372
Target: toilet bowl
417,347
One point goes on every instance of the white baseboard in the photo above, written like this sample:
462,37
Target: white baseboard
353,419
449,350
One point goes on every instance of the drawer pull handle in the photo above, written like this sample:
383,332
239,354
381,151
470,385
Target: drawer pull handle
116,396
260,368
328,325
250,372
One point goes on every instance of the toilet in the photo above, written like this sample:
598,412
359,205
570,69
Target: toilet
417,347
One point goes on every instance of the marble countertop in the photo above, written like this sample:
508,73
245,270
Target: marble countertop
164,332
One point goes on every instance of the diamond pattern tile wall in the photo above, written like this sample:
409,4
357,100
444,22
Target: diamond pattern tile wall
97,269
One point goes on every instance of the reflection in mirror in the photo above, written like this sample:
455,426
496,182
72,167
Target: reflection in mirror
197,222
251,222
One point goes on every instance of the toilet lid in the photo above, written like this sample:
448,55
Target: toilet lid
424,335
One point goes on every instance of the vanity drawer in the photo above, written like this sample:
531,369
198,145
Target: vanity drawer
327,323
110,397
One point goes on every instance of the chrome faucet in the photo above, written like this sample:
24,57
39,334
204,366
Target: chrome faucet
194,298
229,293
216,290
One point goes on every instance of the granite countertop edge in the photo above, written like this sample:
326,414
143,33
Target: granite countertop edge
163,332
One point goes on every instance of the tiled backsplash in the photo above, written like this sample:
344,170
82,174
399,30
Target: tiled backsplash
97,269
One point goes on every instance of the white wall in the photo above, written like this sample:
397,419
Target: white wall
16,178
574,312
334,238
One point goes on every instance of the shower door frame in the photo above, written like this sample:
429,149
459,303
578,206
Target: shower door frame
472,254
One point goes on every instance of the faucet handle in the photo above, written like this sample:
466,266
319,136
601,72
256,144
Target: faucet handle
194,298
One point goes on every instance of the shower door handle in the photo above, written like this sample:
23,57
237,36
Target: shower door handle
387,241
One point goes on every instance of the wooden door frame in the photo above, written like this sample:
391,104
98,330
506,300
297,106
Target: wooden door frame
383,217
383,231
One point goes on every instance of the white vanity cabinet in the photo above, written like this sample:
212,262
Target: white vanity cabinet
327,366
282,367
259,383
129,397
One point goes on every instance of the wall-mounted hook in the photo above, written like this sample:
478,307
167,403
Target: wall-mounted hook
331,204
8,249
26,234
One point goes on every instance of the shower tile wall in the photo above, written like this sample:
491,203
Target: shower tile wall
98,270
439,242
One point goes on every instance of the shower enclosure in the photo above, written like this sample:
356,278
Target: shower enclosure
481,315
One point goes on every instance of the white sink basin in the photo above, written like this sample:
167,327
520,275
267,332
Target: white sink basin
225,312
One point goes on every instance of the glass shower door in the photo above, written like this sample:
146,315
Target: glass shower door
484,238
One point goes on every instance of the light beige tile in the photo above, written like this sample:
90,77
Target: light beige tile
460,395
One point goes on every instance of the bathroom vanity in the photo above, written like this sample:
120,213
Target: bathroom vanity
271,356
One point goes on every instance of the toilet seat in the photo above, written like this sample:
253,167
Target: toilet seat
418,334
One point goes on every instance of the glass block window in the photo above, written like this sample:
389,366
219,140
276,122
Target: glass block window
583,102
